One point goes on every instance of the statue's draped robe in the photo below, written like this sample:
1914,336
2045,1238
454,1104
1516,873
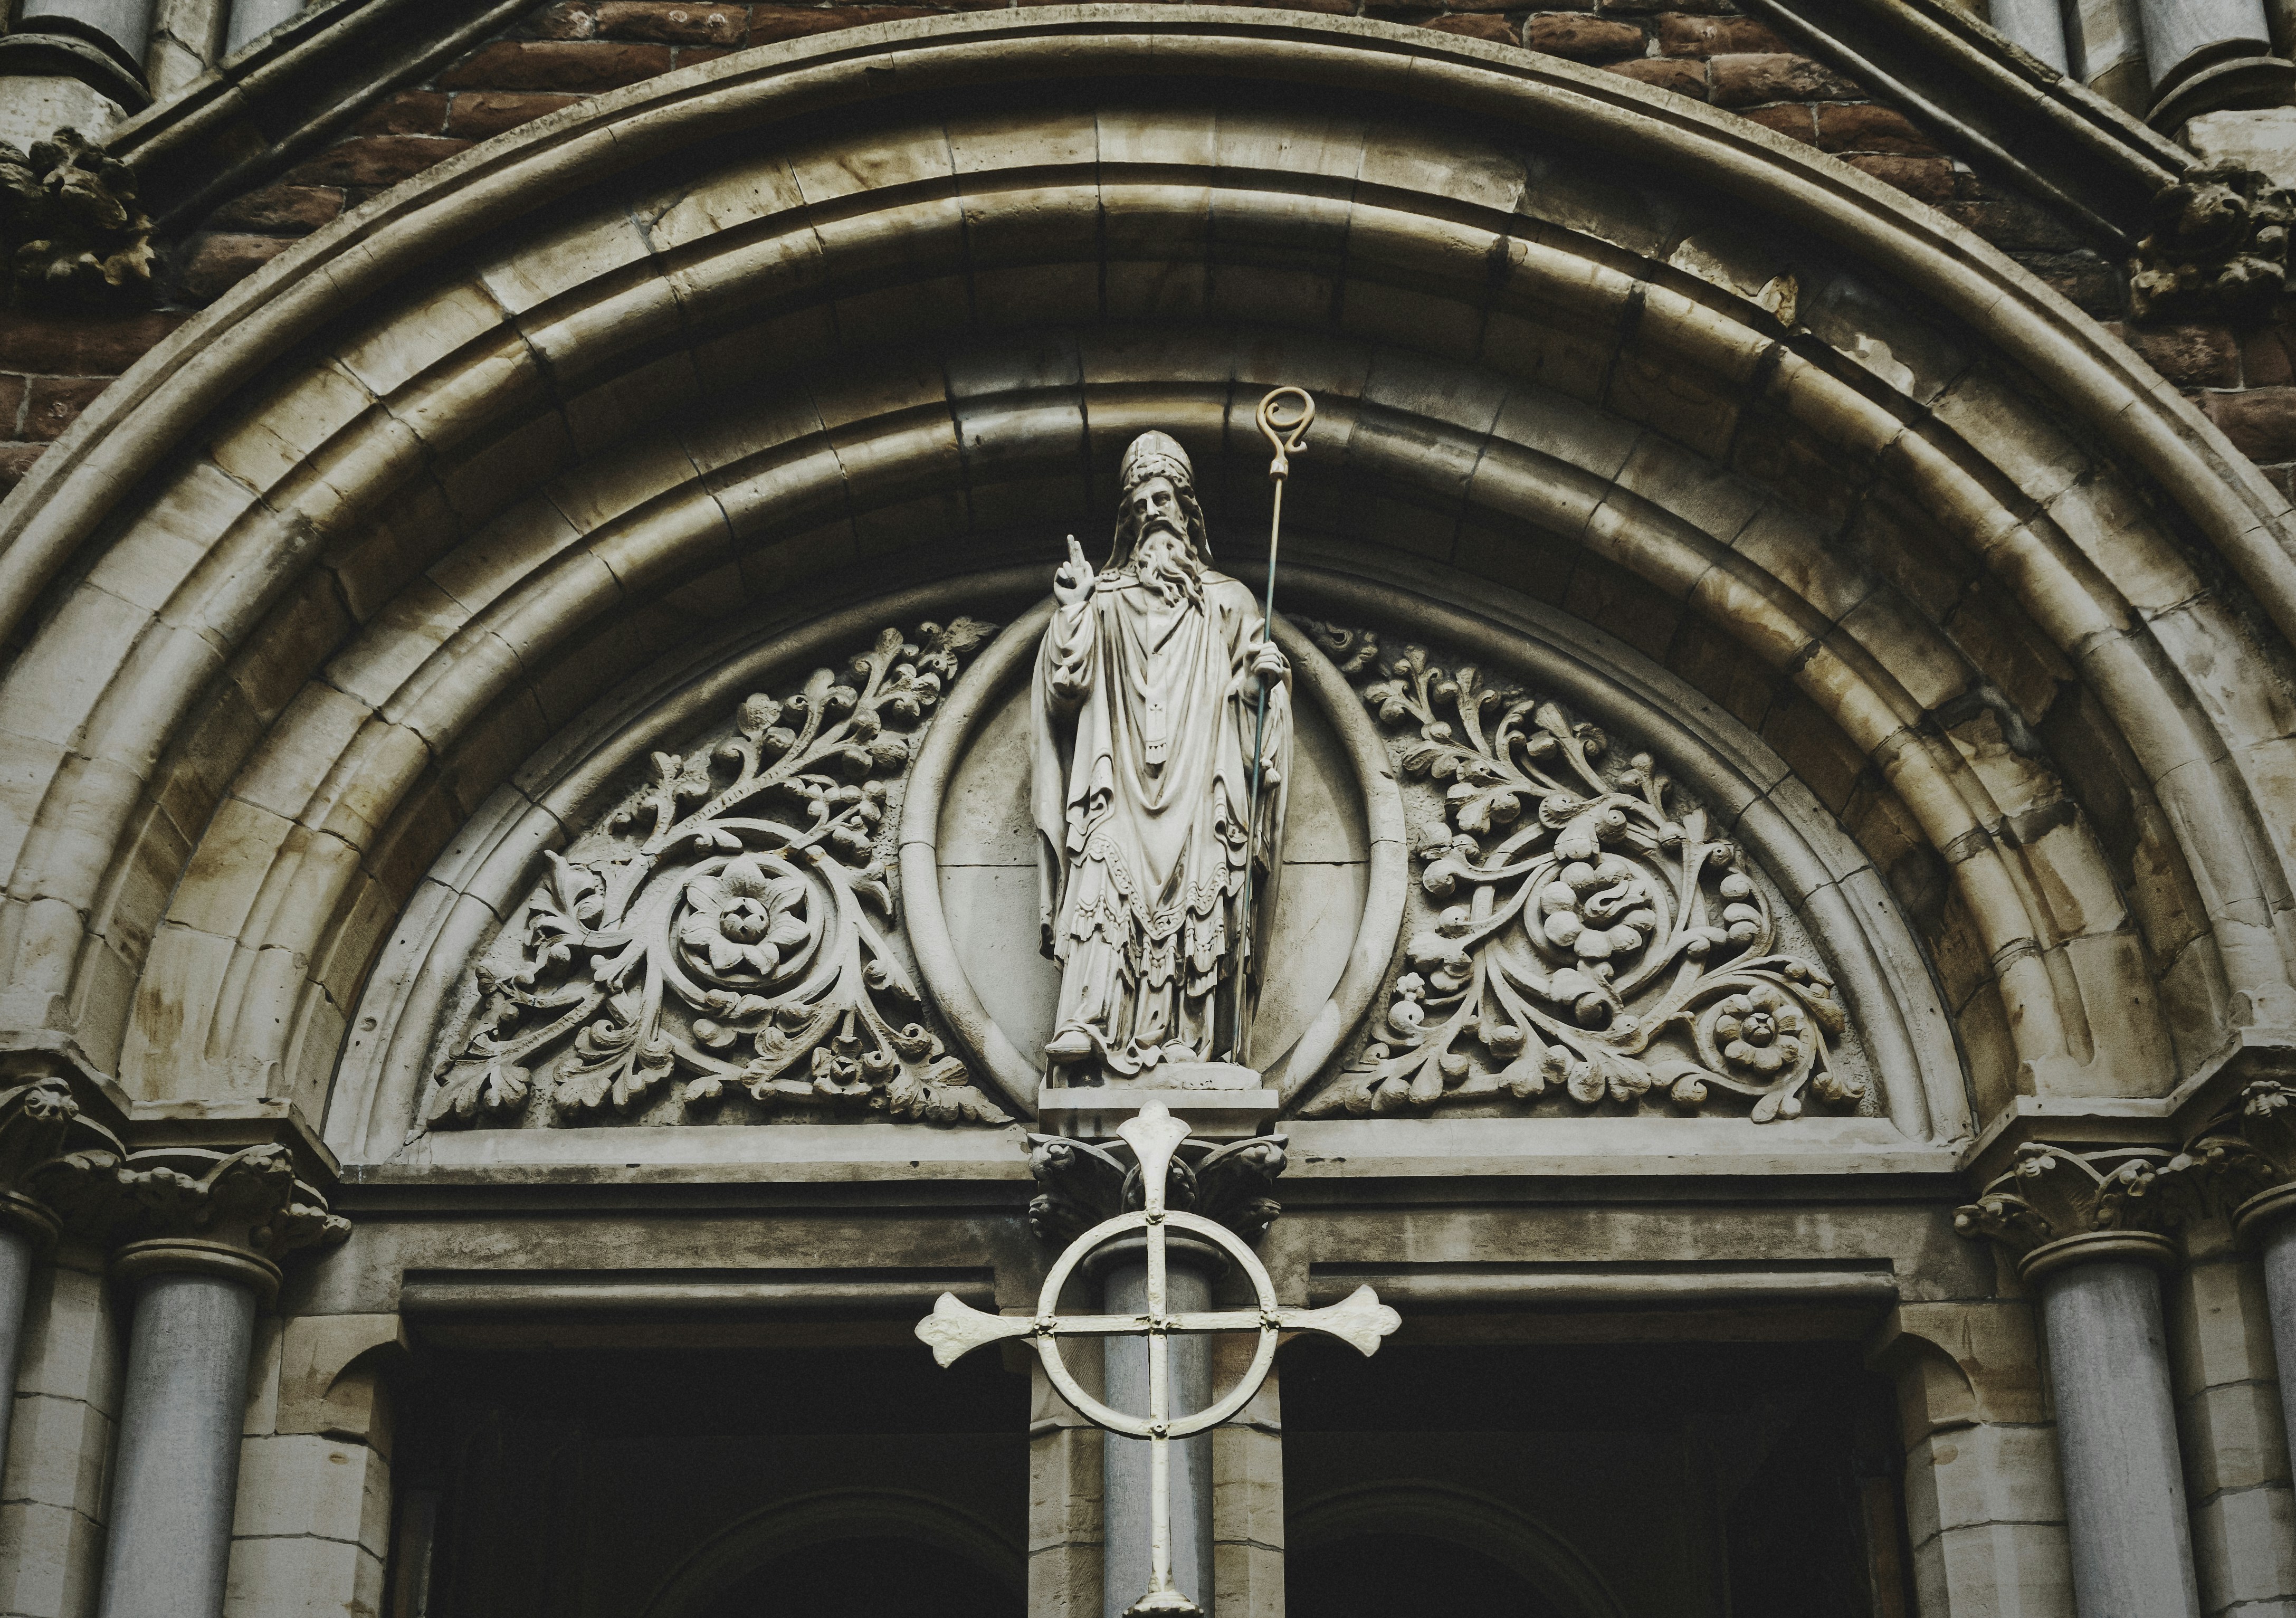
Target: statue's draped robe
1141,783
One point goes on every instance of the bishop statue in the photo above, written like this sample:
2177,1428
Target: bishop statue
1156,869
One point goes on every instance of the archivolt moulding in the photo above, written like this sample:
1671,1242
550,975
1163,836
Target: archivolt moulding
236,784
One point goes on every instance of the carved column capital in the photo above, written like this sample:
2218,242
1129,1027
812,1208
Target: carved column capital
41,1121
2241,1164
235,1214
1080,1183
2056,1207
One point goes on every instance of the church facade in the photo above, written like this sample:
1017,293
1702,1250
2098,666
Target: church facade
671,675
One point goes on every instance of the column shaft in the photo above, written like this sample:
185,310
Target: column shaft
17,1254
2278,1247
2175,30
2108,1351
1125,1465
178,1475
2038,25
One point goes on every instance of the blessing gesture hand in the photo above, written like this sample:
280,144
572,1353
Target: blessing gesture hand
1072,581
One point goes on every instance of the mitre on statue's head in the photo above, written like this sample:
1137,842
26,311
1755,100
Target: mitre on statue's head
1159,454
1155,454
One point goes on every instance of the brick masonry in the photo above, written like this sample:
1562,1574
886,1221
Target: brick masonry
570,49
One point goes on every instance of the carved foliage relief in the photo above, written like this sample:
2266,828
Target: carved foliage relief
725,947
1586,934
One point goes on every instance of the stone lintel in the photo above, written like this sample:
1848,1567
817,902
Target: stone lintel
1217,1100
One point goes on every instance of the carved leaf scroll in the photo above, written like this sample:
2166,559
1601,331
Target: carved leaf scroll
1592,934
727,933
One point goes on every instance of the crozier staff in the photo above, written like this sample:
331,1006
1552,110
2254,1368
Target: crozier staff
1148,694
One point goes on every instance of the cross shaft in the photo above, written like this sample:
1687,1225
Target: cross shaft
955,1329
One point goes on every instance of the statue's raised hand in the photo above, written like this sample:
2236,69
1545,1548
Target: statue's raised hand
1072,581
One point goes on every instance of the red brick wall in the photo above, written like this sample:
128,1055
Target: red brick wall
566,51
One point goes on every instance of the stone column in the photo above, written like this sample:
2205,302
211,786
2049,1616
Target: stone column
201,1235
2038,25
39,1119
2084,1230
2246,1158
1082,1183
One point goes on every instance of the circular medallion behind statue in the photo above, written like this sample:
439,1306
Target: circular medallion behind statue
970,869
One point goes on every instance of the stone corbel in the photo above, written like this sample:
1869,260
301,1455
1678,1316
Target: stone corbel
70,227
1080,1183
2056,1207
2217,249
236,1215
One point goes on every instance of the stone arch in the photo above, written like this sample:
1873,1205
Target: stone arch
300,595
776,1530
1542,1558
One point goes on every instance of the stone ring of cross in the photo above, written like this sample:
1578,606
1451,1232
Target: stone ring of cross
955,1329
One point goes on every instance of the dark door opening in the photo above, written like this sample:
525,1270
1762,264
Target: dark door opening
865,1578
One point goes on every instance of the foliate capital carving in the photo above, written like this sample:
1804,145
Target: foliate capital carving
2217,249
40,1121
2241,1165
2052,1196
1080,1183
242,1213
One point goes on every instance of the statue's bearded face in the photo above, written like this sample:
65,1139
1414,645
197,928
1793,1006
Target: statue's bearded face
1161,556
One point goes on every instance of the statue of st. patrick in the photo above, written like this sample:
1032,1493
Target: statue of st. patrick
1146,700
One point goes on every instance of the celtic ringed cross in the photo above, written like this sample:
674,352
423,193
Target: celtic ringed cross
955,1329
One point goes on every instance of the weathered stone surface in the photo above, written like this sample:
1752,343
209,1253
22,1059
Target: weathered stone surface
408,112
1667,73
221,260
1582,39
375,160
1681,35
477,114
2190,356
2260,422
1865,126
60,343
283,211
575,65
1754,79
54,402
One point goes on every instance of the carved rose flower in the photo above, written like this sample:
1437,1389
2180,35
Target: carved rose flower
742,916
1760,1031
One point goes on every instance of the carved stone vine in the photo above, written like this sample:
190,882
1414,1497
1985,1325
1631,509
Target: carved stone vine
1594,935
719,930
2050,1193
1080,1183
69,223
2218,250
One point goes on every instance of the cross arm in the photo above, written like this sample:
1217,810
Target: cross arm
1360,1320
955,1329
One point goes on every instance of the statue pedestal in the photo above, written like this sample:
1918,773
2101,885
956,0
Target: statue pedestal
1217,1100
